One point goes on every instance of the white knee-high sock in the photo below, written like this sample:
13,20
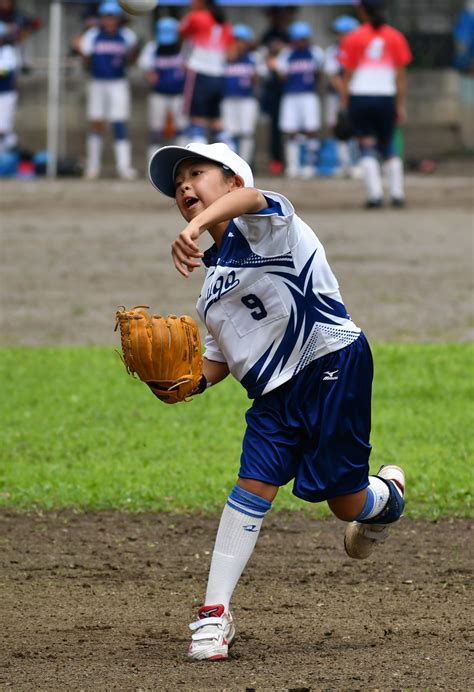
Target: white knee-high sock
94,151
393,170
238,531
372,177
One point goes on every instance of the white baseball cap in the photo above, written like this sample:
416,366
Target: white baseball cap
164,162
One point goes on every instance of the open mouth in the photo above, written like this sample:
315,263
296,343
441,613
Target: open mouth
190,202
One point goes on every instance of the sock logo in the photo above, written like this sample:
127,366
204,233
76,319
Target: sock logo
250,527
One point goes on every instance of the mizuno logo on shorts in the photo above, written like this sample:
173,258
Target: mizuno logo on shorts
330,375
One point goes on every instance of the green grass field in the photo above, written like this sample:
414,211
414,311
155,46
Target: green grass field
78,432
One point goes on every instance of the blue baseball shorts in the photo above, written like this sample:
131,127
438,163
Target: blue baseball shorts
315,428
374,116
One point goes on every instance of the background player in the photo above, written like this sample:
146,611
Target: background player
240,104
107,49
300,110
208,37
374,58
163,63
341,26
275,319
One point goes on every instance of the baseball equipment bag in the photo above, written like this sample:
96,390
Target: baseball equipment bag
343,129
165,352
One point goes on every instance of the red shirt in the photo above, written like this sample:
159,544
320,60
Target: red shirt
374,55
207,40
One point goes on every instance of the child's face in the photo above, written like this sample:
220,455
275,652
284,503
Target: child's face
199,183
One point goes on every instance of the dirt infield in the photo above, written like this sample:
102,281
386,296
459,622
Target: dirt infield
101,601
74,250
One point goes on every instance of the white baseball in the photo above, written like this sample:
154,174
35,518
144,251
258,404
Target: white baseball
138,6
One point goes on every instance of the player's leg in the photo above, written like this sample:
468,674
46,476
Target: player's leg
393,165
96,110
156,122
248,123
361,113
8,138
230,121
269,457
289,126
180,119
383,506
239,528
214,112
119,113
311,114
335,461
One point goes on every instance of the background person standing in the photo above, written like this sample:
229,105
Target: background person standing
374,58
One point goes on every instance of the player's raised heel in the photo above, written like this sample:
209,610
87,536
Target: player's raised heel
214,633
361,537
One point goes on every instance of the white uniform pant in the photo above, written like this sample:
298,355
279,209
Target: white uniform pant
108,99
239,115
8,101
300,113
332,104
159,105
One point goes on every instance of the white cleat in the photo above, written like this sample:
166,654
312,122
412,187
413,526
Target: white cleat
127,174
91,174
361,538
213,634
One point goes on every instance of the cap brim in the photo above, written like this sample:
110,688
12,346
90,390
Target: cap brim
163,164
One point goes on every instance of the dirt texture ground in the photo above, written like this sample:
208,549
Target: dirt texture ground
73,250
101,601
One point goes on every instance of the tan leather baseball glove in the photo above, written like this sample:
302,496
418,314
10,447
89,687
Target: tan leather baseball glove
165,352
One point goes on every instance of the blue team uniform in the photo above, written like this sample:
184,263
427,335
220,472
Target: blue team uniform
238,77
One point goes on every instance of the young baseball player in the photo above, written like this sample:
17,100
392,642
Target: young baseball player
374,58
8,91
240,104
300,111
163,63
106,50
275,320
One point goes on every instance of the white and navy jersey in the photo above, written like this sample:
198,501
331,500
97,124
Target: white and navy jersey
8,67
299,66
270,302
239,75
169,68
108,52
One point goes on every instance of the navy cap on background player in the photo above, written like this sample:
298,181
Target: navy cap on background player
166,32
164,162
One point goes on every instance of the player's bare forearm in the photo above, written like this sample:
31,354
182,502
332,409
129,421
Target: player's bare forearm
346,78
185,250
401,83
214,371
245,200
